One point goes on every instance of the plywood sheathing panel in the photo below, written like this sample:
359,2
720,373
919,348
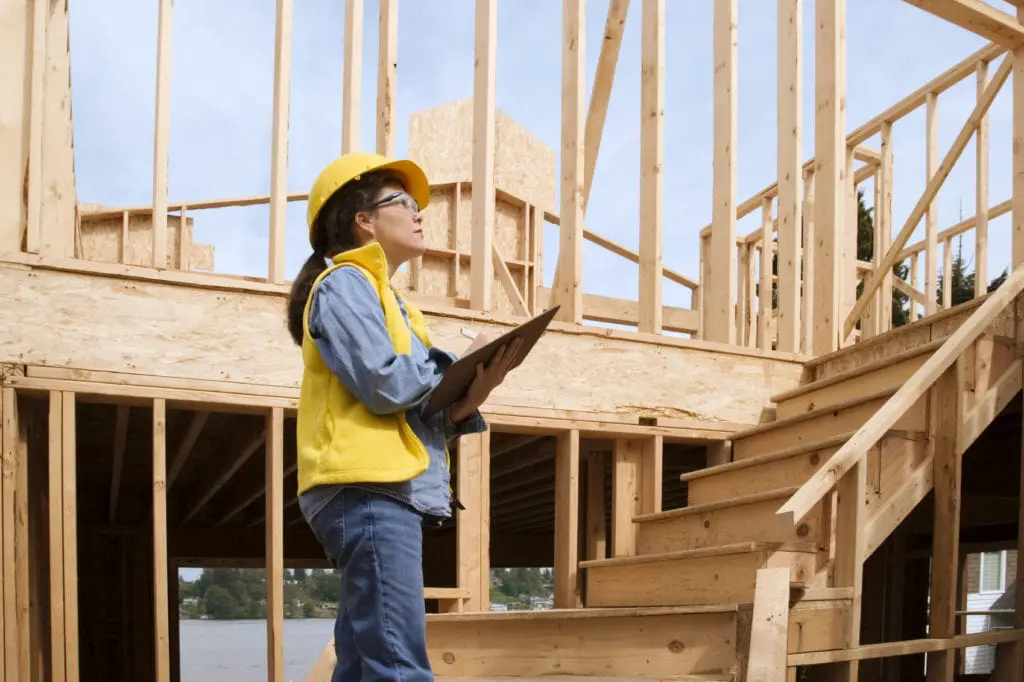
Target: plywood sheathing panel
448,238
441,141
188,332
102,239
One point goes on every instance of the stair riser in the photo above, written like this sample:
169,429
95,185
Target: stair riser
652,645
743,523
872,351
781,473
881,379
824,426
689,581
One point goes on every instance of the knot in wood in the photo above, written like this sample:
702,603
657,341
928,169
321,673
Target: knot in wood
675,646
448,657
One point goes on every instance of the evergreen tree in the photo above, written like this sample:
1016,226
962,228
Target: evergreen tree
866,251
962,281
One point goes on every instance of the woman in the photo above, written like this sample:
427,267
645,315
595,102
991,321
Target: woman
372,466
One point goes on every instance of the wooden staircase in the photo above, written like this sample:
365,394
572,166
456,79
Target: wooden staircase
698,593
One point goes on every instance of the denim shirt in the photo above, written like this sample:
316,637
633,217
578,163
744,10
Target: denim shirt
347,323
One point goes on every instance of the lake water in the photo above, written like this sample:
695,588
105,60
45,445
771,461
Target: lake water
236,650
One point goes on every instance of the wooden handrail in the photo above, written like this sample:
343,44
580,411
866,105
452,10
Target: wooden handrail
931,190
819,485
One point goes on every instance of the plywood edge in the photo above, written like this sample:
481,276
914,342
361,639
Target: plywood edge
795,451
720,550
857,371
909,328
577,614
715,506
812,414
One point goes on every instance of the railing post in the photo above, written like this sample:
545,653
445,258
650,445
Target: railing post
848,568
944,415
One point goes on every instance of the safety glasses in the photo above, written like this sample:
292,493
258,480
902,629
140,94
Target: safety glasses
402,198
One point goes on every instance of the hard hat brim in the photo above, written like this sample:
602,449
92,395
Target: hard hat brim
413,179
409,173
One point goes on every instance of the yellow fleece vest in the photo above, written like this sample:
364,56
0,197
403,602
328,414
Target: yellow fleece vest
338,439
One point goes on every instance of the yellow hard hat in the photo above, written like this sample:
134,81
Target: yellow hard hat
351,167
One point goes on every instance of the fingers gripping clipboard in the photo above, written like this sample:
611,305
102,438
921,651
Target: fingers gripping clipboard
461,373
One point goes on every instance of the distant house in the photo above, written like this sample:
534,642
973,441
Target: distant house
990,602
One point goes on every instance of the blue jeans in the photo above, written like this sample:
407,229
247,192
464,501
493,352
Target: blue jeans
376,543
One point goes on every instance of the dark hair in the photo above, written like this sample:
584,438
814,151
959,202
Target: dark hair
333,232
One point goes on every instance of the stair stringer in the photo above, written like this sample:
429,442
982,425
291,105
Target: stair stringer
905,472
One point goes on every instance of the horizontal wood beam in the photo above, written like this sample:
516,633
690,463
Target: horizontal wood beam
916,646
978,17
624,311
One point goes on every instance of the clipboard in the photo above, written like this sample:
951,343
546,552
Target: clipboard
460,374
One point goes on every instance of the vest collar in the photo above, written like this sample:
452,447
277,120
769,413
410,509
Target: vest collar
370,256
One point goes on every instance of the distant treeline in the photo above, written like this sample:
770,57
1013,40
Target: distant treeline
240,593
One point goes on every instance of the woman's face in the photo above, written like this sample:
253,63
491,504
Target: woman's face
396,224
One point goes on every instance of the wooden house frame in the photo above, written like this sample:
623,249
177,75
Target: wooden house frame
136,440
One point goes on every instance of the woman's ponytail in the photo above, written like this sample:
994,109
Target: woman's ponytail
301,287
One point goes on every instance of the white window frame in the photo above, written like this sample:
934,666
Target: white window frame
1002,573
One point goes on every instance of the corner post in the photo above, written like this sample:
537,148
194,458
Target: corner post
482,258
567,500
829,169
944,415
718,306
474,522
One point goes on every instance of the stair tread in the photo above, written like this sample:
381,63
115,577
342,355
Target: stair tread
739,501
571,614
906,329
858,371
718,550
700,677
794,451
705,677
811,414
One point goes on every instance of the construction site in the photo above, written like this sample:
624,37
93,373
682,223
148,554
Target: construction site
807,467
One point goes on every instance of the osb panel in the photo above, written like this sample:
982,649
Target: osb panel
441,232
441,141
101,241
510,230
168,330
437,218
436,276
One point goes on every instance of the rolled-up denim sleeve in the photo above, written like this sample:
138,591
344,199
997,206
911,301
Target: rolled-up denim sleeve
347,324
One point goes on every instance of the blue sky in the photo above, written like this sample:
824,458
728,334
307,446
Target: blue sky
221,109
222,77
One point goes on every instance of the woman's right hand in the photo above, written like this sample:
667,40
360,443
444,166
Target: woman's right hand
487,379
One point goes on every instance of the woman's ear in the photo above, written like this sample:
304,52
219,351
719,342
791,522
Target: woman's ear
363,225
